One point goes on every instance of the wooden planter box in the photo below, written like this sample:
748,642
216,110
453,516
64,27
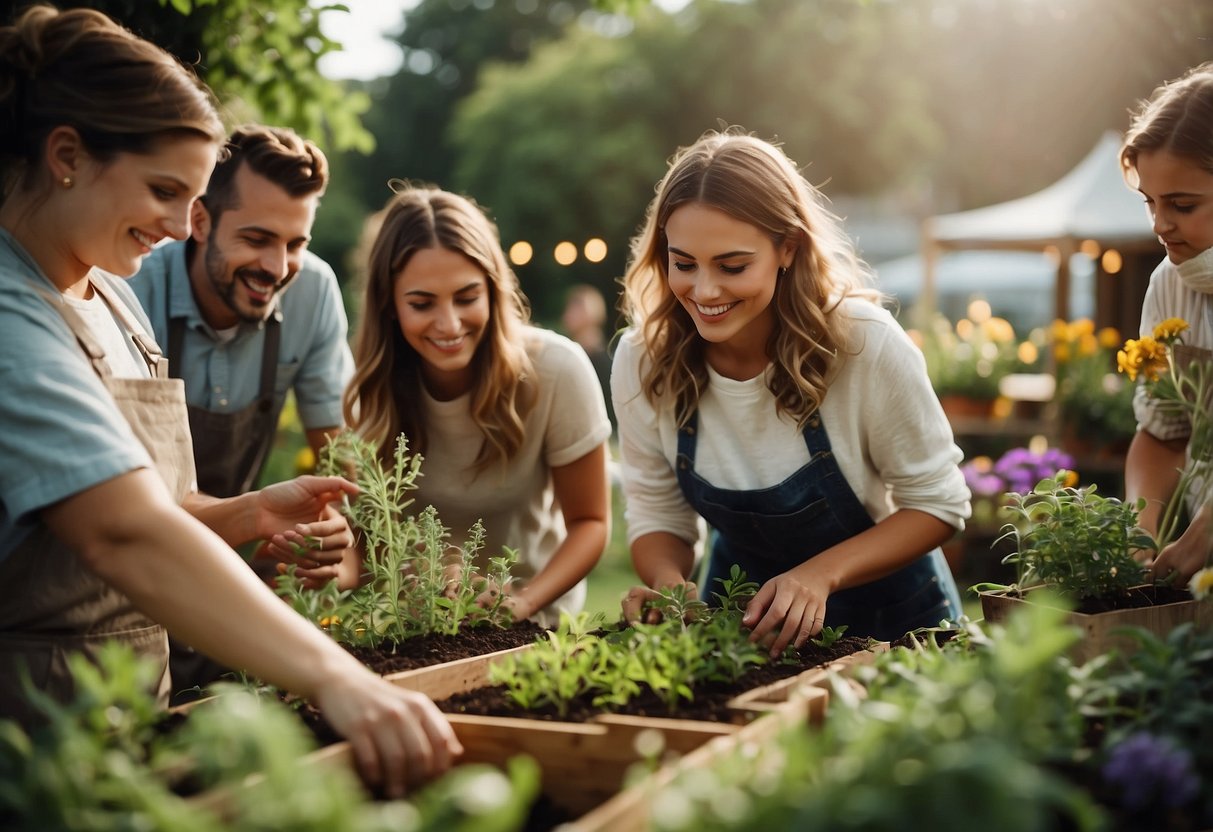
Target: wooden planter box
1099,634
584,765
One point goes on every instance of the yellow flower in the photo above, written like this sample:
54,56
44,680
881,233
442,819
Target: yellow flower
1081,327
1062,352
305,461
1142,356
1087,344
330,620
1169,329
998,329
1201,585
1071,479
1059,331
1109,337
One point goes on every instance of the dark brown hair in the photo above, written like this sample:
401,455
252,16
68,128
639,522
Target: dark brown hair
78,68
292,163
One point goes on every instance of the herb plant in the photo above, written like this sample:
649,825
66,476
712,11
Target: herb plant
101,763
958,736
1075,540
690,645
417,582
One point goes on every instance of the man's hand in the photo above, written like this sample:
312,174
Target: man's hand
300,521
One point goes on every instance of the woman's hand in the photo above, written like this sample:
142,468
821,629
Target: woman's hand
638,603
790,608
511,598
399,738
1187,555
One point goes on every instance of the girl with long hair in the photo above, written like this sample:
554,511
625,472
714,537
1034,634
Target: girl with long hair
509,418
762,387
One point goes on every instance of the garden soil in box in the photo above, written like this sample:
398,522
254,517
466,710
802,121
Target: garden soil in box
428,650
711,702
1158,609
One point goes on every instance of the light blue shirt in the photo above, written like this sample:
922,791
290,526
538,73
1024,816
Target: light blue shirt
225,376
60,431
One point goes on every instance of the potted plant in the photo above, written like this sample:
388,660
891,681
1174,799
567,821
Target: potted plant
976,554
967,361
1094,404
1082,545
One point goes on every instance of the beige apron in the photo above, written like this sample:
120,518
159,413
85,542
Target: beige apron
50,604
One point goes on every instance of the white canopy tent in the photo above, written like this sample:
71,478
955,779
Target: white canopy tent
1091,202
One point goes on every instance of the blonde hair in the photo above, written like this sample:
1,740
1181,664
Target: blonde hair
78,68
383,399
1177,118
752,181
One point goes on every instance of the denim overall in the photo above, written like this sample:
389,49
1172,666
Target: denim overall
769,531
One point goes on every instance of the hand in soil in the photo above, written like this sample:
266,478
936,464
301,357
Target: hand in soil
640,603
788,606
398,737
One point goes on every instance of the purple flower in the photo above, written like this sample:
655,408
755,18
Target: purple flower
1148,769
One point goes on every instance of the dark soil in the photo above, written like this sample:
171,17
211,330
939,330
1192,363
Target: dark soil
710,703
1135,598
424,651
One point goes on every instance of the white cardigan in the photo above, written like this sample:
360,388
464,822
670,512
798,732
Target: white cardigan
888,433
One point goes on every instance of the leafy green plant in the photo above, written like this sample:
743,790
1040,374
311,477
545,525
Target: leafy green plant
959,735
1075,540
737,590
829,635
690,645
103,762
417,582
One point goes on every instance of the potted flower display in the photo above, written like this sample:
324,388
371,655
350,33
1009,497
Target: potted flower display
1084,546
965,362
1094,404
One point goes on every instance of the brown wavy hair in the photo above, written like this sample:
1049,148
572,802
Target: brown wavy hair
79,69
752,181
383,399
1177,118
277,154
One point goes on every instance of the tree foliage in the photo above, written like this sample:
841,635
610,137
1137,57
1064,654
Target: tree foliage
259,56
962,102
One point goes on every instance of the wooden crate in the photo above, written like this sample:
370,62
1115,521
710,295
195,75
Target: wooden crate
1099,634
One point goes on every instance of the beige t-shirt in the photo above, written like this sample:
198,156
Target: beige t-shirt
515,500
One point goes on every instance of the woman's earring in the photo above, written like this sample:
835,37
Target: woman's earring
66,182
782,271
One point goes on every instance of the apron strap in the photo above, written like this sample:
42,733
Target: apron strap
146,345
84,335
